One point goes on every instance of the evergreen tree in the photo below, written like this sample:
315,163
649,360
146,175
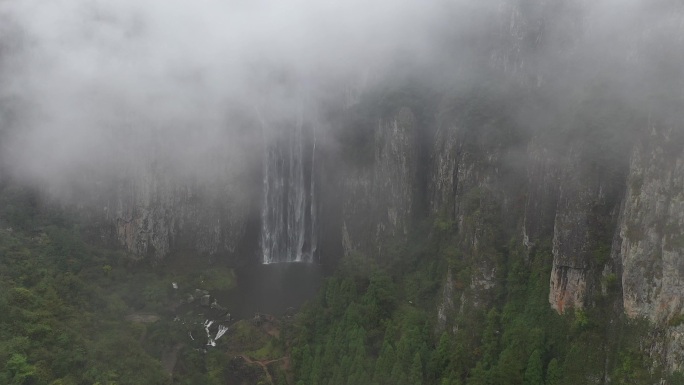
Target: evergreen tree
490,339
316,368
384,364
337,378
19,370
398,375
553,373
479,376
303,361
416,371
450,379
534,373
441,357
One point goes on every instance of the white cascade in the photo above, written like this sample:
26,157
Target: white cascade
288,215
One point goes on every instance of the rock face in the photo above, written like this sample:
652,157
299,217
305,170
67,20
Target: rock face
470,161
474,163
154,210
587,201
155,217
543,179
652,229
603,190
395,171
471,192
152,224
379,197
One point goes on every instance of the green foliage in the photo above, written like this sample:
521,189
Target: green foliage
676,320
63,304
534,372
361,330
370,323
581,320
554,373
676,378
444,225
602,254
58,324
610,281
631,369
18,371
416,370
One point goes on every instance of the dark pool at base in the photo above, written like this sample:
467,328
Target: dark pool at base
271,289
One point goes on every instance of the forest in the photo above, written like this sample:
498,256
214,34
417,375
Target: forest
65,302
486,192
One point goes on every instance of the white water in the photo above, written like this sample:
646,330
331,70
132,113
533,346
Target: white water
288,215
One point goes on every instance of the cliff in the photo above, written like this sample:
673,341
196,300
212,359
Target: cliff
472,158
514,159
157,209
379,200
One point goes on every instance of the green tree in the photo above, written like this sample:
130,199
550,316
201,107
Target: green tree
19,371
416,371
439,361
380,298
553,373
398,375
304,361
384,364
490,339
451,379
534,373
479,376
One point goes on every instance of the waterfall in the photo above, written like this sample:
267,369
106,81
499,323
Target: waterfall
288,214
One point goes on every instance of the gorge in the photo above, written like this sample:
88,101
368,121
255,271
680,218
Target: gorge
498,194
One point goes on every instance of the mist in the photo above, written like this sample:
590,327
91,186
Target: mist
96,84
104,88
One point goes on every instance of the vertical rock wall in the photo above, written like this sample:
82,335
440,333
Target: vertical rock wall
652,229
155,215
160,207
379,198
587,204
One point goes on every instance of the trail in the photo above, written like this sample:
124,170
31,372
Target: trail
169,358
264,365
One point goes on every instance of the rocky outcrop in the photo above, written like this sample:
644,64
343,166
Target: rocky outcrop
470,194
395,172
159,208
379,197
155,215
543,179
581,240
652,229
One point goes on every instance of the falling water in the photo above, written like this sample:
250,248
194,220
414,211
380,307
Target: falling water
288,215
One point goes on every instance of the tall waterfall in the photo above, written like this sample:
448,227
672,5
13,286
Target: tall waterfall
288,214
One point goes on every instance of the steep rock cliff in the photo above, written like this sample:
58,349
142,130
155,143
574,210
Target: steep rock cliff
472,192
651,228
209,209
155,215
587,205
379,198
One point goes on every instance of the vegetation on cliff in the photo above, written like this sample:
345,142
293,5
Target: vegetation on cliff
376,324
74,312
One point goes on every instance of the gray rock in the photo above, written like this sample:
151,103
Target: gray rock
205,300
